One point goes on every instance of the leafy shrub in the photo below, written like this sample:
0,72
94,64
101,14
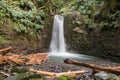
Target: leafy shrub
25,15
94,13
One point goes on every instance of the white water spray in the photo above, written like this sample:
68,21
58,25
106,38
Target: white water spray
58,42
57,46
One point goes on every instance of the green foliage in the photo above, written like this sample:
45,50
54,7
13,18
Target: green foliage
28,76
20,70
2,8
65,78
40,0
3,39
95,13
88,10
57,5
24,14
2,77
37,79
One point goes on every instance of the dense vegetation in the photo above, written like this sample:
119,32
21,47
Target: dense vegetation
28,17
24,15
96,13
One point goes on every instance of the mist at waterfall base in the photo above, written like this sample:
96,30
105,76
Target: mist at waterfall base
58,47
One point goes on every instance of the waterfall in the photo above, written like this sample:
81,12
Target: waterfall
57,45
58,41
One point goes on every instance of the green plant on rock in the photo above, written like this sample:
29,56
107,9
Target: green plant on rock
37,79
65,78
29,76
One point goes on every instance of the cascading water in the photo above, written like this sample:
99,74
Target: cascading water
58,42
57,46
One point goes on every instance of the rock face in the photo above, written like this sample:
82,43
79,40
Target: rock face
105,43
26,43
46,35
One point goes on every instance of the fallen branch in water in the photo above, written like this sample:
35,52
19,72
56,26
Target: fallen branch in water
58,74
114,70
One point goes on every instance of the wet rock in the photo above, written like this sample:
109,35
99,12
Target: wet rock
101,76
11,78
106,76
77,29
113,77
86,76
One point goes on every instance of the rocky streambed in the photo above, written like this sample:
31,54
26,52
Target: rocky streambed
20,72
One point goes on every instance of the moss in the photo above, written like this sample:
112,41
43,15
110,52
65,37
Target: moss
32,76
2,77
20,69
65,78
37,79
3,39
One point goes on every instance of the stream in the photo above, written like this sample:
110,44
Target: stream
60,57
57,48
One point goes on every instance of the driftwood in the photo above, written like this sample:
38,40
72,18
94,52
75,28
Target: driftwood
7,59
70,73
3,51
23,59
115,70
58,74
36,58
43,72
6,74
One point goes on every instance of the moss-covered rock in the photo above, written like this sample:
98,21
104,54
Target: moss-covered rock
29,76
20,69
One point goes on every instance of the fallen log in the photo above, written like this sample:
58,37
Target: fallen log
43,72
16,60
70,73
118,67
58,74
3,60
36,58
4,50
107,69
6,74
23,59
